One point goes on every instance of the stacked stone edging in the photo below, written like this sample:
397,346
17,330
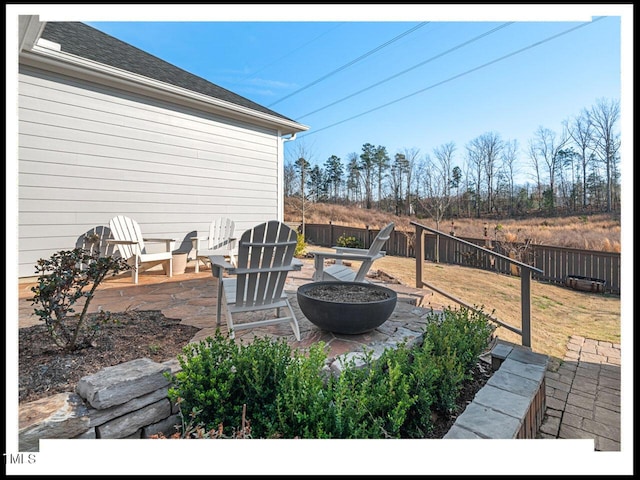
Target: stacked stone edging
129,400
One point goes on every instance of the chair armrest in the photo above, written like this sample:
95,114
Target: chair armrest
168,242
159,240
221,262
355,251
121,242
218,265
319,257
345,256
297,264
195,242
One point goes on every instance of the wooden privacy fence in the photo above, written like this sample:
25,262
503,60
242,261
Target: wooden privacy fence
555,264
399,244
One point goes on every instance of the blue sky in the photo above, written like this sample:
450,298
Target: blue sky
417,83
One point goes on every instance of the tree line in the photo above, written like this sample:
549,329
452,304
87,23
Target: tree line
575,170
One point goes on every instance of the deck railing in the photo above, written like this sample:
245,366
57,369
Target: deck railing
525,278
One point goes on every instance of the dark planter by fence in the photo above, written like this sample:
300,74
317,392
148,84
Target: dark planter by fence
349,317
585,284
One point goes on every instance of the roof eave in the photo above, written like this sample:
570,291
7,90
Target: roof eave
79,67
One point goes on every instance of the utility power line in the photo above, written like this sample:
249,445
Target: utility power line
454,77
251,75
407,70
362,57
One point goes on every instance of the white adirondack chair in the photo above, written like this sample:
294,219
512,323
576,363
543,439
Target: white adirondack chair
256,282
219,242
343,273
128,238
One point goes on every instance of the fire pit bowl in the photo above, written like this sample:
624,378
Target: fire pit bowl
346,307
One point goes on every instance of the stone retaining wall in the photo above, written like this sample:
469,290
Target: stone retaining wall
129,400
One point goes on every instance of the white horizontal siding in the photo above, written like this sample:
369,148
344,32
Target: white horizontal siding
76,99
87,153
66,176
131,142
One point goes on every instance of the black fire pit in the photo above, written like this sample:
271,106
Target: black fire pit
346,307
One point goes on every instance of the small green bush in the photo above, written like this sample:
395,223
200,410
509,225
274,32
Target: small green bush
61,283
303,404
301,246
289,394
453,341
349,242
373,401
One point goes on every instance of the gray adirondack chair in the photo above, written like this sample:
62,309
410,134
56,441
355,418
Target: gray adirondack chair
131,245
256,282
342,273
219,242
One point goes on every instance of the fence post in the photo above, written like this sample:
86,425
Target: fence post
525,299
331,244
419,256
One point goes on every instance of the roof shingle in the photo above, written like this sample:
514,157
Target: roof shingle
87,42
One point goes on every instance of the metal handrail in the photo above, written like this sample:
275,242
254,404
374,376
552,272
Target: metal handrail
525,280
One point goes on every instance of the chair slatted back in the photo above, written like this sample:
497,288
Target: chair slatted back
374,249
380,240
125,228
265,256
220,231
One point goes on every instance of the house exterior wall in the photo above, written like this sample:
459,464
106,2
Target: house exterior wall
88,152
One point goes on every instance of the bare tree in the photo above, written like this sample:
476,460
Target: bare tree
289,179
510,167
492,147
411,157
475,160
536,162
580,130
547,146
604,116
302,155
444,157
467,176
302,166
435,199
354,179
398,170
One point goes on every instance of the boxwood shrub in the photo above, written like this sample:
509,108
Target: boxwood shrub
291,393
